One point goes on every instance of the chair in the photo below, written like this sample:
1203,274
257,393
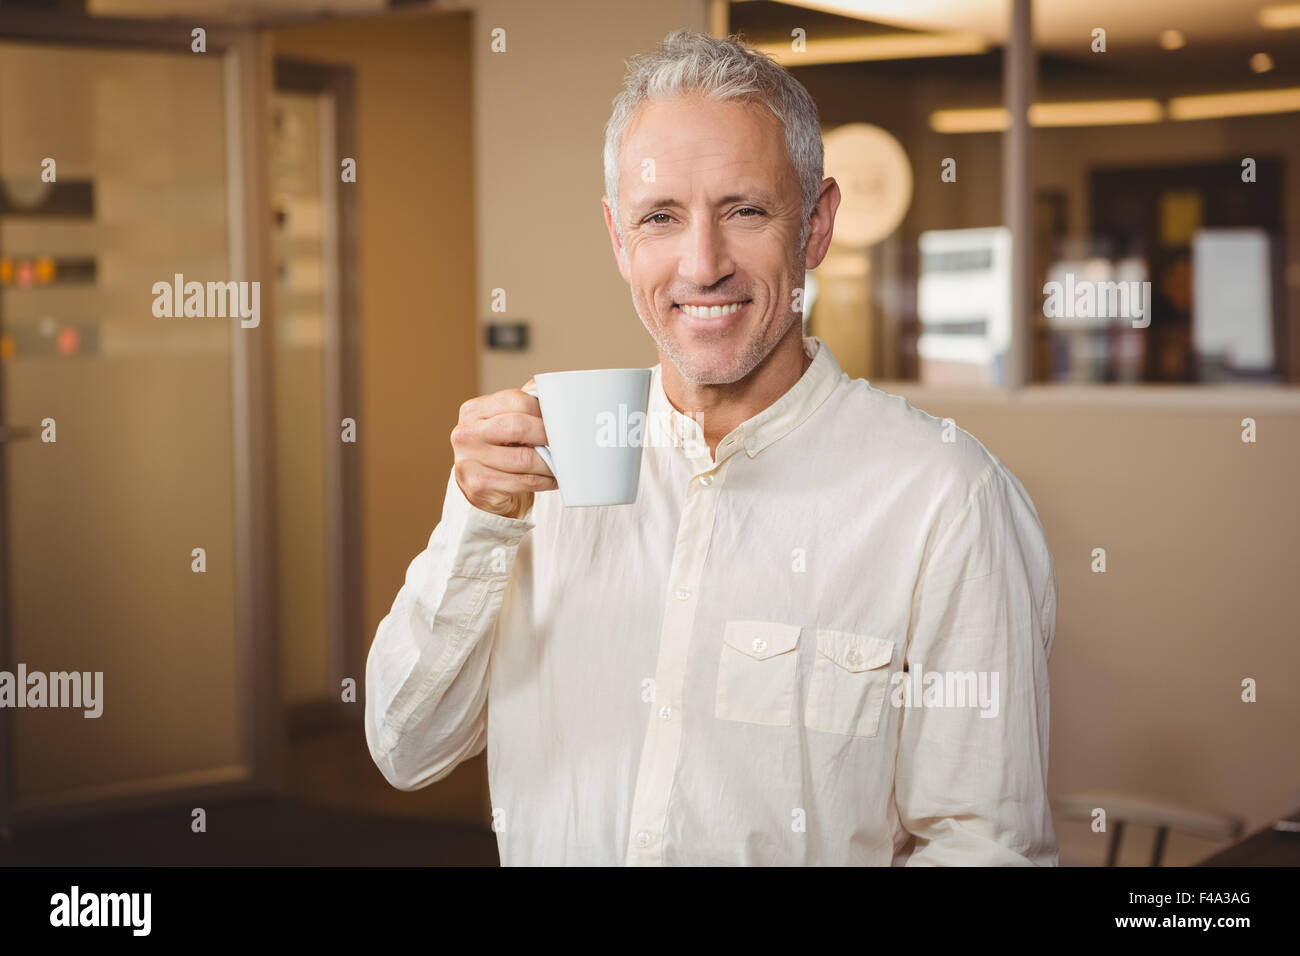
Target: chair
1122,808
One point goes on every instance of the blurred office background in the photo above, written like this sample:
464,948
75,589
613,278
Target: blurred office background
478,171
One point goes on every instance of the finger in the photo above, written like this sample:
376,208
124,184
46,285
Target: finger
487,478
513,459
506,400
512,428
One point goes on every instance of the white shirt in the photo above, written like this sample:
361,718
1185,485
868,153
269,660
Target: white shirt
711,675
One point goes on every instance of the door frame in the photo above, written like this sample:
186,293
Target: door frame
247,76
341,394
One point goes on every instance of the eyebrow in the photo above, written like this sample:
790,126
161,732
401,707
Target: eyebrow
757,198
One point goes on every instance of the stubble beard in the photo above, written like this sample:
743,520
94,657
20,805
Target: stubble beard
684,360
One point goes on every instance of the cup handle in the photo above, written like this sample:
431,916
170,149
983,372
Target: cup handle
542,450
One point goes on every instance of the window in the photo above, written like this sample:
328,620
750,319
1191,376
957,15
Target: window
1165,244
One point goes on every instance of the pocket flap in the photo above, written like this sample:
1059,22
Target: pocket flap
854,652
761,639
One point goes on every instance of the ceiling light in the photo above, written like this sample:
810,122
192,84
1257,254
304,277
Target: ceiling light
1280,18
1079,113
891,46
1096,113
1217,105
1172,40
1261,63
990,120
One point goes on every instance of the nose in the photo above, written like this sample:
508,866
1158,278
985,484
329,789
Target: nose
705,261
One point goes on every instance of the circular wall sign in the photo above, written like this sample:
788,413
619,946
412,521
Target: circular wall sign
875,182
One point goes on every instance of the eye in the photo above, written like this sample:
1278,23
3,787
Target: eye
655,215
750,209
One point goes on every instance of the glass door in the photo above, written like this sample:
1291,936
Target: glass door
133,506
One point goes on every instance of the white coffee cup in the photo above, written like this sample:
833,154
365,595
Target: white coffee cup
595,457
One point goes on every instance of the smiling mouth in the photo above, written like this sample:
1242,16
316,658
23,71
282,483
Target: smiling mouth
711,311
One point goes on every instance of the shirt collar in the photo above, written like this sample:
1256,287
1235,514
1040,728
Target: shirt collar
777,420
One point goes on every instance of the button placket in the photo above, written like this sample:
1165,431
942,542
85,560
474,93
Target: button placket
730,444
663,735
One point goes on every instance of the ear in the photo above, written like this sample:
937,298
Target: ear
620,254
822,223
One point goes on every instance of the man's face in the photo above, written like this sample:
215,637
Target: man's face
717,223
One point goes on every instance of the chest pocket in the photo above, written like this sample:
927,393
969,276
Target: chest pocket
850,680
756,673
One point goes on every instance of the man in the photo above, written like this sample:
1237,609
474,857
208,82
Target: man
739,668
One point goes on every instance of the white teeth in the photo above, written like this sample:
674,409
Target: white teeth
710,311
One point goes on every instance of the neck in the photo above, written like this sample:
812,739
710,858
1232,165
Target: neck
720,408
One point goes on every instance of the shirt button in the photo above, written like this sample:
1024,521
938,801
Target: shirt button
706,480
683,593
854,658
643,839
665,711
759,645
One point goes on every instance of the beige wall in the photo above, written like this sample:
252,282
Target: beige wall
415,161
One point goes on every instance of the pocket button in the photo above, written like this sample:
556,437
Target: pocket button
849,682
756,672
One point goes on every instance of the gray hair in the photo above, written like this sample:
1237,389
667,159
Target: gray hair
726,69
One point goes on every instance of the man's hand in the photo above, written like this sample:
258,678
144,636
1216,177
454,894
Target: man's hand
496,467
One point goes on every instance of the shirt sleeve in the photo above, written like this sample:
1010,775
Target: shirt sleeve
971,781
426,672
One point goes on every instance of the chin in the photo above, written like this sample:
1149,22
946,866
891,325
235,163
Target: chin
711,373
719,362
